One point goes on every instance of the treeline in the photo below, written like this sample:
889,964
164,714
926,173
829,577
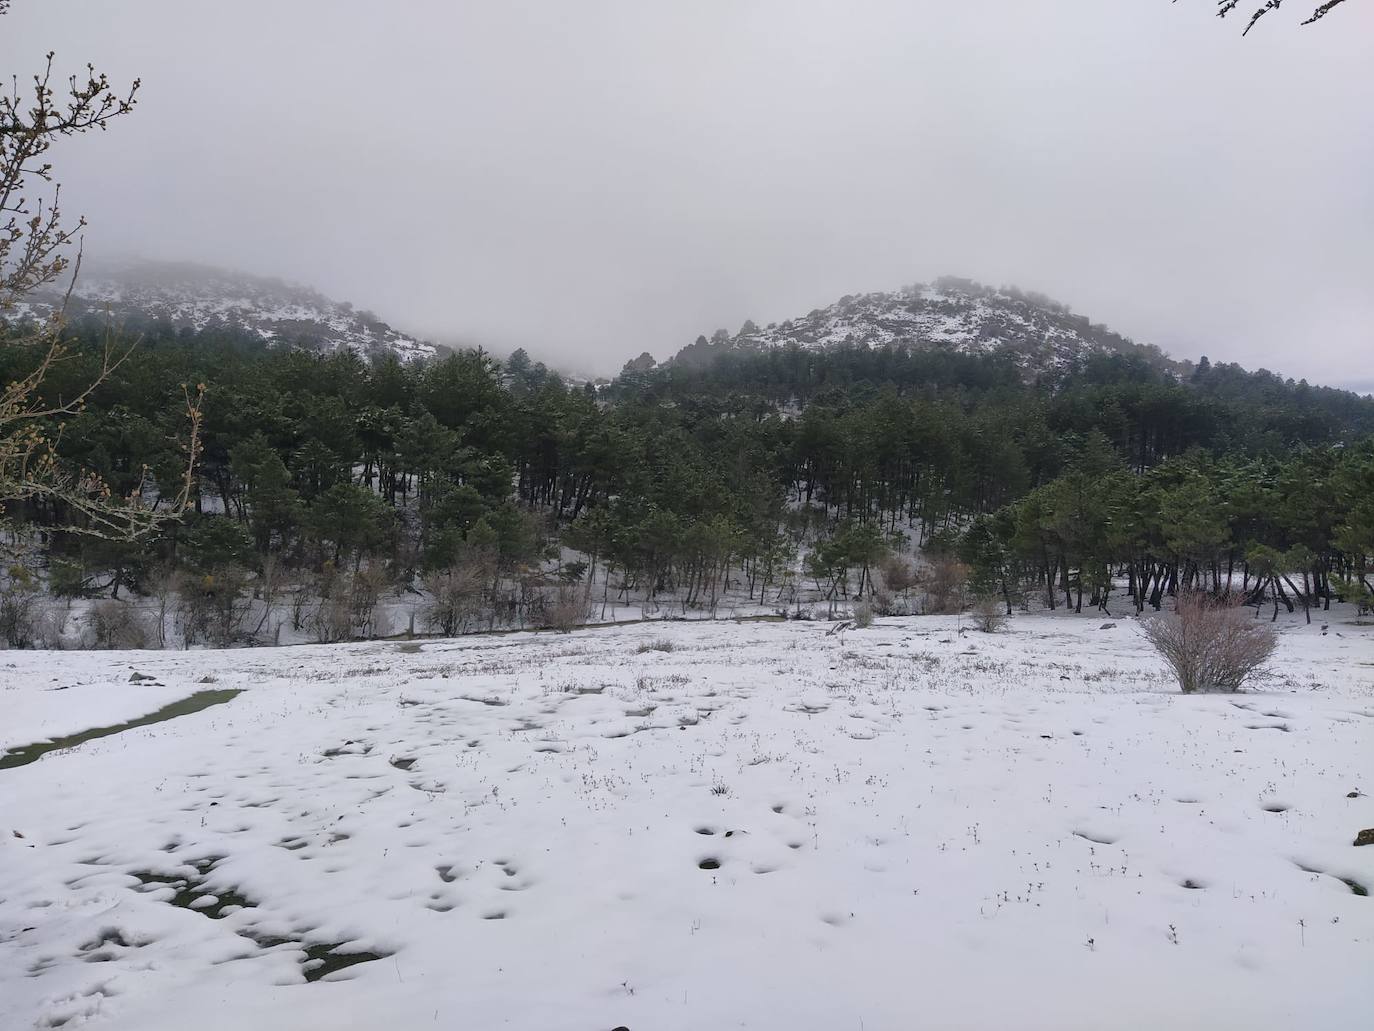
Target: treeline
1145,412
1298,531
505,496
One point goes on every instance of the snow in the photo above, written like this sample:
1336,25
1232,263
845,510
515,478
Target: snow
70,696
199,296
957,315
906,826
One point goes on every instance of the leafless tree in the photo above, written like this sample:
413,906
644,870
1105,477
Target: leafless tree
1209,644
36,243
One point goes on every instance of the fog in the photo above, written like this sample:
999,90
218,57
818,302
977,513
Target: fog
591,179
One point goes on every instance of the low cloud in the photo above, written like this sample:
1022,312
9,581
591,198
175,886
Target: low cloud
591,180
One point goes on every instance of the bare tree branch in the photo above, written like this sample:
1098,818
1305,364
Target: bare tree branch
34,245
1321,11
1225,7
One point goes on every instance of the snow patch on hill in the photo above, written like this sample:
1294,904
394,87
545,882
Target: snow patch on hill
961,315
133,291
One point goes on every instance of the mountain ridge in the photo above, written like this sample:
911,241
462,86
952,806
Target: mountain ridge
198,296
960,315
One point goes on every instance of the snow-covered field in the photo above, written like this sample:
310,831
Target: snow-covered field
764,827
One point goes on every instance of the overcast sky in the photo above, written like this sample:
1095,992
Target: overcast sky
590,179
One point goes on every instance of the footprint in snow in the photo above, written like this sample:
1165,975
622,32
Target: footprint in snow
1096,837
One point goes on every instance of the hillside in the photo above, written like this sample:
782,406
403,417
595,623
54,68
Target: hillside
134,291
957,315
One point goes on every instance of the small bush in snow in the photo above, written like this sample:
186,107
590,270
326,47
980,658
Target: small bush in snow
365,589
347,604
862,614
989,614
115,624
212,607
1209,644
898,574
456,598
50,624
567,611
332,618
946,585
884,604
661,645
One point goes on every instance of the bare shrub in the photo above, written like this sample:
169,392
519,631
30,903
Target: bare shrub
331,618
50,624
946,585
661,645
567,611
213,607
898,574
989,614
338,606
379,624
529,601
365,590
116,624
884,604
17,620
266,590
862,614
299,604
456,598
1209,644
162,585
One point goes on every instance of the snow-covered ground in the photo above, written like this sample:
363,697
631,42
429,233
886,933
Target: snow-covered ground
764,827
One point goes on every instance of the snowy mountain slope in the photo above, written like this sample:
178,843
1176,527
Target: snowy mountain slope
953,314
200,296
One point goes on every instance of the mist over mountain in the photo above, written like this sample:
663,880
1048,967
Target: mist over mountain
951,315
135,291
